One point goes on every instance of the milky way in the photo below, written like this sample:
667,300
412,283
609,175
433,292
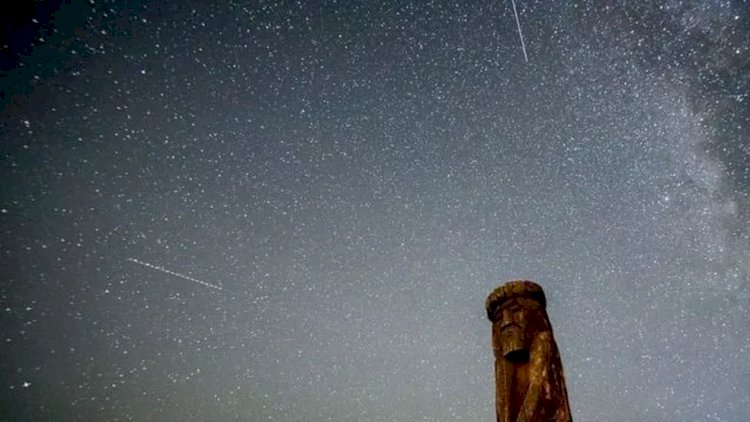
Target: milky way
360,175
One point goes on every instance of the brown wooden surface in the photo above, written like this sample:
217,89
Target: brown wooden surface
529,378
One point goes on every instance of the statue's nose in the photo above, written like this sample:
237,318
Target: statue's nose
507,315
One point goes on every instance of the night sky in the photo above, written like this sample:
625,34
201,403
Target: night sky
294,211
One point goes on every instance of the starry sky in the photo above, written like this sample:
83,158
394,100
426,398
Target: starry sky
294,210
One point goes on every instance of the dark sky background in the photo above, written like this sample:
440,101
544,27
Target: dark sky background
357,176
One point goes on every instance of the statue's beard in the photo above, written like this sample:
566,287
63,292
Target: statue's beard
513,342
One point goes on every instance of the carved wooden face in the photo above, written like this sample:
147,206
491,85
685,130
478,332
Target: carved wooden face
517,326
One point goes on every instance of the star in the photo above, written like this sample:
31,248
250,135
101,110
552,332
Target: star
360,176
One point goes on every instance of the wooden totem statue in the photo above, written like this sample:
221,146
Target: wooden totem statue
529,379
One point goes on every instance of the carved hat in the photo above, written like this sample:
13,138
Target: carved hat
514,289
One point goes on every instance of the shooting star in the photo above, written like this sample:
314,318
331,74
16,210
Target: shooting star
520,34
164,270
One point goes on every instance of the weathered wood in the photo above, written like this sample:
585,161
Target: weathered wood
529,378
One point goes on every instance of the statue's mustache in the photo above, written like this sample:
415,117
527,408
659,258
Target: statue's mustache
509,324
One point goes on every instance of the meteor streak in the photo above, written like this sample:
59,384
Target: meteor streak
172,273
520,34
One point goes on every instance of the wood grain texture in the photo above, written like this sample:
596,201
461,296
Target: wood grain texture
529,377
